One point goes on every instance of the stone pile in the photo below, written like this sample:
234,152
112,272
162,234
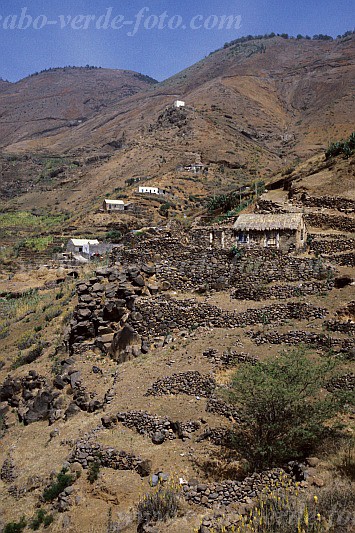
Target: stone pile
343,259
105,304
86,452
343,327
229,358
228,492
217,436
150,425
345,382
31,397
319,340
219,407
8,472
191,383
331,245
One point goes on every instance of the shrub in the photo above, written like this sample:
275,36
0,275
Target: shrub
15,527
93,472
63,481
41,518
282,413
159,505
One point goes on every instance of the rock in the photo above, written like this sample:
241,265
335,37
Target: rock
144,468
312,461
125,338
154,481
39,410
317,481
158,438
75,378
72,410
58,382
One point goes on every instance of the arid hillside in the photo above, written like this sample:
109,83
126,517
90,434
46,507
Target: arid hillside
59,99
252,108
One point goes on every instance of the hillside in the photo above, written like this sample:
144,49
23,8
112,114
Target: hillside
59,99
119,377
252,109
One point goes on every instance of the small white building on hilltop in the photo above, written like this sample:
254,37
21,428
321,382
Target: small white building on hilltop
151,190
179,103
113,205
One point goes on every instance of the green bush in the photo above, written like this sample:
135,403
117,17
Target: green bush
63,481
15,527
93,472
282,412
341,147
41,518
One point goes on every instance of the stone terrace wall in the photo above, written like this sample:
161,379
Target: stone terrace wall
249,290
321,220
331,245
343,259
195,266
331,202
161,315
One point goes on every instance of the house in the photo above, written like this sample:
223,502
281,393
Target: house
113,205
83,246
280,231
151,190
179,103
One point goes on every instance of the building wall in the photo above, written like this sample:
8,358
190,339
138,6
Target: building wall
149,190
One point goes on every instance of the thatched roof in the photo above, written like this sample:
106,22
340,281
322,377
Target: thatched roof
285,221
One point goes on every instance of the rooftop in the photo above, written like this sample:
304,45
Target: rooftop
114,202
83,242
268,222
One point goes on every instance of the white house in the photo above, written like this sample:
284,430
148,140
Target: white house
113,205
81,246
151,190
179,103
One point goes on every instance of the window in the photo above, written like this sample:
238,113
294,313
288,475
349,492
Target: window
271,238
243,238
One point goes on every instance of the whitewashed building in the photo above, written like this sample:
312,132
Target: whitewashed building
151,190
82,246
179,103
113,205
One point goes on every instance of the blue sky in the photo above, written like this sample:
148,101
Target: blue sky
158,38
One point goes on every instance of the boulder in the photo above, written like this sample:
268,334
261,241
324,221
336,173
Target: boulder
40,408
125,338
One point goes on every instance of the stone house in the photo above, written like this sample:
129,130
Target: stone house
280,231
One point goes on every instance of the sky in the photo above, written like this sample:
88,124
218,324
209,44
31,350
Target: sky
155,37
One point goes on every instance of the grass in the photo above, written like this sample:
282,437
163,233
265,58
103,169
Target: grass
25,219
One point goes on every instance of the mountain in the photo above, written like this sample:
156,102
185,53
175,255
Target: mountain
252,108
59,99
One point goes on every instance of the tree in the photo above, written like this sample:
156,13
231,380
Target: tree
282,411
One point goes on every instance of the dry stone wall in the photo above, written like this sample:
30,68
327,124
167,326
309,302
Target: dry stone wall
160,316
321,220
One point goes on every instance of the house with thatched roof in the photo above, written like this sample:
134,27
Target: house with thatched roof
280,231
